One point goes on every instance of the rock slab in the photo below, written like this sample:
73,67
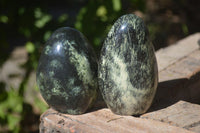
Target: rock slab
182,114
101,121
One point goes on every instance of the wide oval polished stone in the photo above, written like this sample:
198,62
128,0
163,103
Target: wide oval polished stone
128,73
67,72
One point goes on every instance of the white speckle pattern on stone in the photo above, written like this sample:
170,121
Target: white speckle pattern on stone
128,74
82,66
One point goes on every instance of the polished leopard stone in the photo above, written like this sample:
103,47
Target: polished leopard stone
67,72
128,73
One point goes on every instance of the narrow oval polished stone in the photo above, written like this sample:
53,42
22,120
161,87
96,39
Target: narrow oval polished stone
128,73
67,72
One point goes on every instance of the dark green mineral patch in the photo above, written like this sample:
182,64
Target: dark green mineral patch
67,72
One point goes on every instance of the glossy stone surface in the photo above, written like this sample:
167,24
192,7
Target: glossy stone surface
128,73
67,72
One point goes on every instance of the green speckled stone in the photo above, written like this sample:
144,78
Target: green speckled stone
67,72
128,73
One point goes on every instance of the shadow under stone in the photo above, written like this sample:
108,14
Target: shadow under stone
172,91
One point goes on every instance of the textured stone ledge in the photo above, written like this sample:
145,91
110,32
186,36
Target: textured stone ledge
102,121
179,81
182,114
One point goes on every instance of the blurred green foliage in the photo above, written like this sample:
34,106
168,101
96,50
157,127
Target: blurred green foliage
31,23
11,107
28,24
96,19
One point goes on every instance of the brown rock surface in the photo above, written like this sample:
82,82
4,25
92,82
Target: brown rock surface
102,121
182,114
